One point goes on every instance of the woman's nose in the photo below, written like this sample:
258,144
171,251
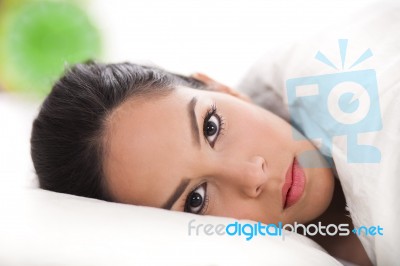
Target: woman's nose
248,176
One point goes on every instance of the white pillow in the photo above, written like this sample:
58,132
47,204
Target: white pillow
46,228
371,189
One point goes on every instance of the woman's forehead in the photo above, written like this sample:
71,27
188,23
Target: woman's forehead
145,140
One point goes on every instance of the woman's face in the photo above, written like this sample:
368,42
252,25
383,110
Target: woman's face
211,153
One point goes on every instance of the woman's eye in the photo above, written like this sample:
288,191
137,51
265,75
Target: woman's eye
195,202
211,129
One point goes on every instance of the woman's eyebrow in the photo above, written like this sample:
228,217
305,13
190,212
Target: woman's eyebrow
193,121
177,194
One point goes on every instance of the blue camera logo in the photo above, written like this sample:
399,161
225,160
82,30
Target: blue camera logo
338,104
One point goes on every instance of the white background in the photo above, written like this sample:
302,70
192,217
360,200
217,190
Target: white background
220,38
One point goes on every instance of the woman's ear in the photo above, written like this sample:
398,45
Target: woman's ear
216,86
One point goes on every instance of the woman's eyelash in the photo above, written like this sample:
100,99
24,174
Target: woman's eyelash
205,206
214,111
186,197
211,111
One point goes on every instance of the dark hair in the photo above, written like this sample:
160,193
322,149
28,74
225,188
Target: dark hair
67,135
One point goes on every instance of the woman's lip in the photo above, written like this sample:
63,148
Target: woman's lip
288,183
293,187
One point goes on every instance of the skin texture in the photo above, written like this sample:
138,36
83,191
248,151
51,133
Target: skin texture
152,145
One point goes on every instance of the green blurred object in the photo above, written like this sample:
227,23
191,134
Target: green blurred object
38,39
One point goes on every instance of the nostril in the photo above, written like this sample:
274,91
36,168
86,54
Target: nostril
258,191
259,161
264,166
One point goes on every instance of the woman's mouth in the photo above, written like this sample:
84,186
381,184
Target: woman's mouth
293,187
